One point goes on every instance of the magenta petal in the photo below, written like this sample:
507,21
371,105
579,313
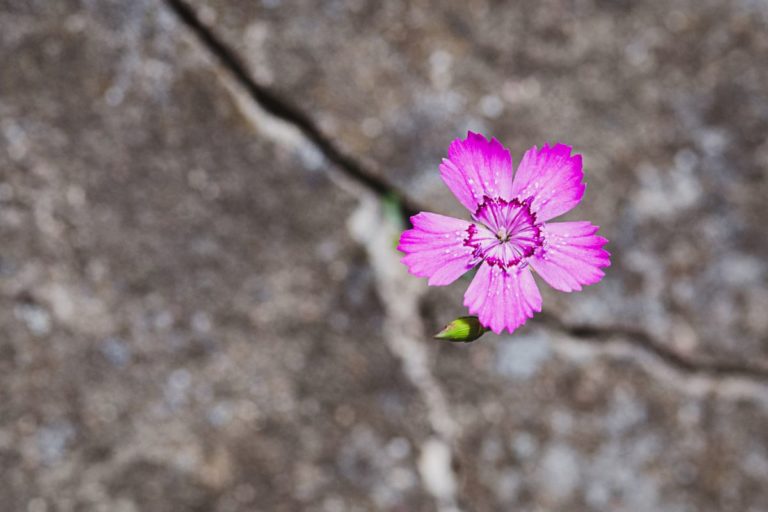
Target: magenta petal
435,248
572,255
477,167
502,299
551,177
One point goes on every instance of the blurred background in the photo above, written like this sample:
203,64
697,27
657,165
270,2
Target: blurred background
201,307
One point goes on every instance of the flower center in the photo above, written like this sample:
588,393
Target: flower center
502,235
506,233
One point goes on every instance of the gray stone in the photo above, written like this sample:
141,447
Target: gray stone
186,323
200,311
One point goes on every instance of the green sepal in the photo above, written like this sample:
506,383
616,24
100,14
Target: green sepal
464,329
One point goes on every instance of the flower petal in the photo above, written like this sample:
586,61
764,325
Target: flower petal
572,255
502,299
435,248
552,178
477,167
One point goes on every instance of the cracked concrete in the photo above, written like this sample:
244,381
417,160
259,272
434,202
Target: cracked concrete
401,295
673,173
381,186
174,343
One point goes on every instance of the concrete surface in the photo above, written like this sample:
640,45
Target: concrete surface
201,307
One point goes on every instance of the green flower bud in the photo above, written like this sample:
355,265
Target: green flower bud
463,329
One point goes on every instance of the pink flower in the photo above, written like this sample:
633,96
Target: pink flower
509,235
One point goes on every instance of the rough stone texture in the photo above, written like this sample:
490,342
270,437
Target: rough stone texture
553,426
188,323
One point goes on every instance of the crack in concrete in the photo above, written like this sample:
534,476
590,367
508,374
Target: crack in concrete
376,229
670,357
283,109
289,114
734,387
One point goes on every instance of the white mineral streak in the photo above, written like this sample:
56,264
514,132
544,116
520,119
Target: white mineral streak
437,473
401,294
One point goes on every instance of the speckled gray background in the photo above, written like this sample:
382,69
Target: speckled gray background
201,308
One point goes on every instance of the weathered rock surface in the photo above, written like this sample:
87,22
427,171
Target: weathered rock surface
186,324
200,312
